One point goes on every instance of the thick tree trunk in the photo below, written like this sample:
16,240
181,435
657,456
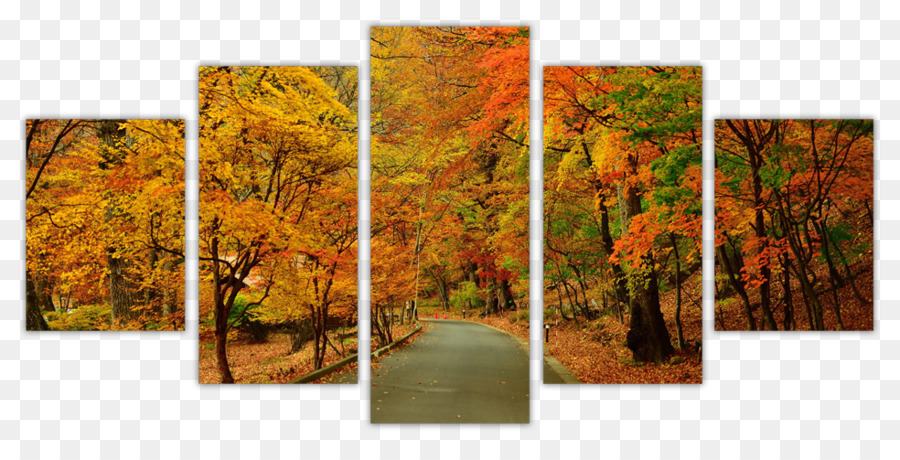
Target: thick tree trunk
123,293
34,320
647,338
490,303
508,300
44,293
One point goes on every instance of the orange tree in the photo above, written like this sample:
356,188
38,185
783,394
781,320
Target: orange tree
622,163
105,214
793,198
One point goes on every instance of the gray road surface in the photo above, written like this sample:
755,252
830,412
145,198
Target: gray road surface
458,372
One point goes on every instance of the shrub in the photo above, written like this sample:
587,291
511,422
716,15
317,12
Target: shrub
83,318
519,315
466,294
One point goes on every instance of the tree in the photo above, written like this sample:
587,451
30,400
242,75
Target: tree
101,197
789,194
622,155
277,175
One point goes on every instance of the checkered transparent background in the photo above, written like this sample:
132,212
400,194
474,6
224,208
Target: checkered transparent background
135,395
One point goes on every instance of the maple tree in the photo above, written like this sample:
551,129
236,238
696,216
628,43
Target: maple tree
622,199
449,171
278,229
794,219
105,220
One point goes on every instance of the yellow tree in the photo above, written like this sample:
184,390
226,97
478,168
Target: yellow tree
105,216
272,141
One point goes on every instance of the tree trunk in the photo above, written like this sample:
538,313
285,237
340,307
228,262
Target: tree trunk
788,301
168,296
619,283
836,280
508,300
679,334
122,291
818,322
647,338
765,288
738,287
34,320
44,293
221,335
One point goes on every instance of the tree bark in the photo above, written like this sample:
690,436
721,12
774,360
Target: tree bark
647,338
679,334
221,334
34,320
788,322
738,287
122,291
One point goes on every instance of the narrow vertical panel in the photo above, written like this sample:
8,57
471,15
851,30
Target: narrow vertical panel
794,224
450,159
622,224
105,223
278,223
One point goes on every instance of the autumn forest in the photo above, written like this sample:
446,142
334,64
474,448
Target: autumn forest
278,223
622,222
105,221
449,175
794,224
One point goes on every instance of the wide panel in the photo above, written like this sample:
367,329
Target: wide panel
794,225
105,224
622,224
278,223
450,162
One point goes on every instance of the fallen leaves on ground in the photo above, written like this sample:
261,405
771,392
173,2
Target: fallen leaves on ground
266,362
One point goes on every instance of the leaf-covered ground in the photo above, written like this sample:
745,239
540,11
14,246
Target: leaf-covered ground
267,362
855,315
595,351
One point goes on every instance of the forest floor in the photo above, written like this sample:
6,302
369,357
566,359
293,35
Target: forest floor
265,362
595,350
856,315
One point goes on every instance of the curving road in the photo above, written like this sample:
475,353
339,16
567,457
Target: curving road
458,372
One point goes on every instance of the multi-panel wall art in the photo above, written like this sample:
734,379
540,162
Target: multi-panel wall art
450,224
794,225
105,224
622,223
278,222
450,214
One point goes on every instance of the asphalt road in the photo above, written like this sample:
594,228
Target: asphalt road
458,372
